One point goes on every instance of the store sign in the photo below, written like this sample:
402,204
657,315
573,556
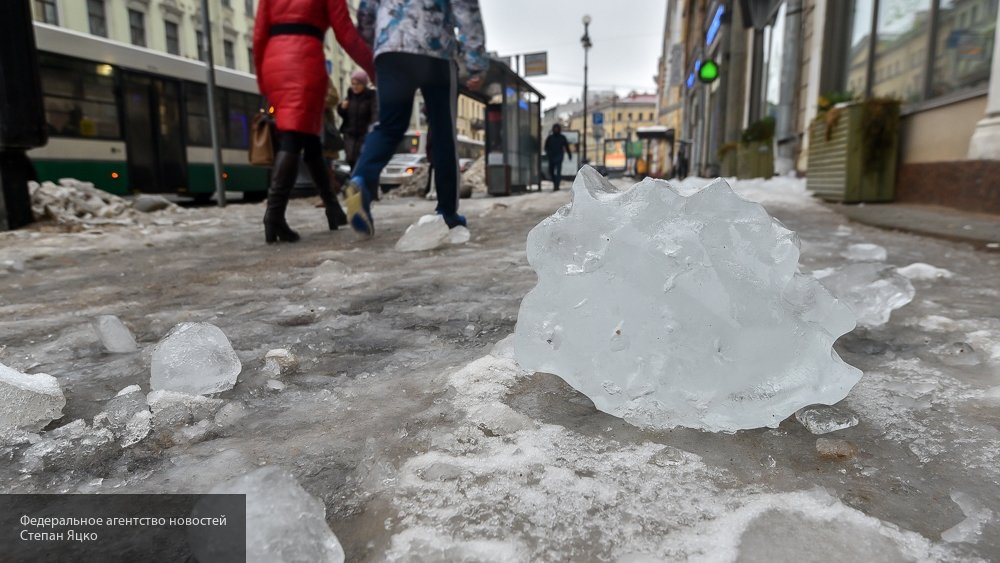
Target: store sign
536,64
715,26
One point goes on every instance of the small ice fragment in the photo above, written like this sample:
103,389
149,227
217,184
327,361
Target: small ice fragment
192,433
275,385
835,449
115,336
459,235
171,408
977,515
28,401
148,203
284,522
230,413
428,233
194,358
865,252
280,362
921,271
137,428
129,389
823,419
872,290
993,245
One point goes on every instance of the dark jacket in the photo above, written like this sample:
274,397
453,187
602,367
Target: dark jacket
360,113
555,145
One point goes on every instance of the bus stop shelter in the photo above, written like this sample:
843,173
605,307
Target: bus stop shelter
513,130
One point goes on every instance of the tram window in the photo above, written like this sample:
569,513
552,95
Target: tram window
238,114
196,109
79,98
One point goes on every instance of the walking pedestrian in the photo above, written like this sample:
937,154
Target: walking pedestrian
291,73
358,112
416,47
555,145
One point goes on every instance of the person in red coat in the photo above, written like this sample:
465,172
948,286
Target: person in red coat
291,73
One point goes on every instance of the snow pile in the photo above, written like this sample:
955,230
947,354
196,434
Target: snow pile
115,336
194,358
28,401
415,185
871,289
672,310
284,522
474,178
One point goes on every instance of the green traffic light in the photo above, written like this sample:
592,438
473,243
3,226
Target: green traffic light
708,72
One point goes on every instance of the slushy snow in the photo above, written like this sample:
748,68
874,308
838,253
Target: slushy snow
284,522
194,358
28,401
865,252
672,310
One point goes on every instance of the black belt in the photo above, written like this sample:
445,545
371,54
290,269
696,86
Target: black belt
297,29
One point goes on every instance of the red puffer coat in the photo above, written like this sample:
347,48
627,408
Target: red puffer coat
291,69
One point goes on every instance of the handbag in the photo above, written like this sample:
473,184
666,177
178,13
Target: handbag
333,142
262,135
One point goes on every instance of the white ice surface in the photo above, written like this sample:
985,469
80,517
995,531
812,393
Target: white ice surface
194,358
28,401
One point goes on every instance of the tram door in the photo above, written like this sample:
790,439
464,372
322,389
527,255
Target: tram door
156,157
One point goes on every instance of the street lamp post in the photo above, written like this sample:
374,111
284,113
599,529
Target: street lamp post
585,41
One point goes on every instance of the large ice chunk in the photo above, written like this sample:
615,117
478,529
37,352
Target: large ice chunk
28,401
284,522
428,233
194,358
671,310
115,336
872,290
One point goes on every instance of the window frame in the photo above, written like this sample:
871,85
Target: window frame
141,19
167,26
92,16
75,68
43,7
229,53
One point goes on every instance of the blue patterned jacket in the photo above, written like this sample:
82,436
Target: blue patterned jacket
426,27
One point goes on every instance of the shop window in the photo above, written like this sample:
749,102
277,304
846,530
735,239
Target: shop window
963,54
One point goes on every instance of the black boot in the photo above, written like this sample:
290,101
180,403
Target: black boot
286,166
335,216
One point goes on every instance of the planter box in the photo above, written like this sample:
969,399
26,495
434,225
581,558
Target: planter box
755,160
838,169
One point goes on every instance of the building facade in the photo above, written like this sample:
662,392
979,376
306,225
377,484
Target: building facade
777,58
621,117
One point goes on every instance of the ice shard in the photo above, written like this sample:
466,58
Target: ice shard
194,358
28,401
672,310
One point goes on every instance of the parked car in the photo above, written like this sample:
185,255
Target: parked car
400,169
464,164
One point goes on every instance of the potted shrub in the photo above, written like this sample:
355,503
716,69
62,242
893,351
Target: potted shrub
852,150
755,153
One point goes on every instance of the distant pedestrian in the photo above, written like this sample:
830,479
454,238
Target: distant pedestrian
555,145
416,45
358,111
291,72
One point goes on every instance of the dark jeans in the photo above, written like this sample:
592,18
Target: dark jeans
399,77
555,172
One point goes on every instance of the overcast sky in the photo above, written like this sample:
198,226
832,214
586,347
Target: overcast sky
626,37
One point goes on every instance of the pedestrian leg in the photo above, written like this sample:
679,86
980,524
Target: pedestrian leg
440,91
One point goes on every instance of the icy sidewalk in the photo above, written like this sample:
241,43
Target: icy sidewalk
421,450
